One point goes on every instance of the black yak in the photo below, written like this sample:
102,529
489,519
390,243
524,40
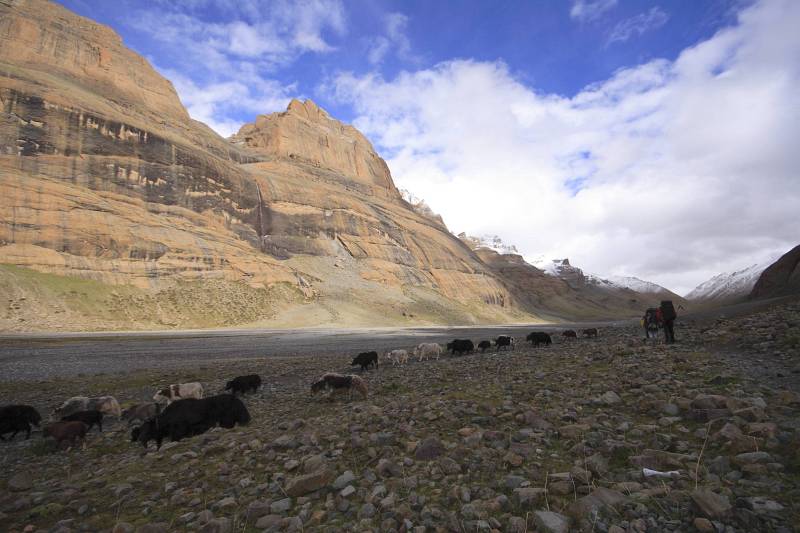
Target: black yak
365,359
539,337
18,418
338,383
185,418
242,384
460,346
90,418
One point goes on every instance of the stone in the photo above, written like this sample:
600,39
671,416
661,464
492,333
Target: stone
610,398
20,481
529,496
216,525
155,527
345,479
429,449
550,522
710,504
760,504
752,458
704,525
268,521
304,484
122,527
280,506
598,500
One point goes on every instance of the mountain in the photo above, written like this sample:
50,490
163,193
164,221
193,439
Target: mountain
119,210
781,278
728,287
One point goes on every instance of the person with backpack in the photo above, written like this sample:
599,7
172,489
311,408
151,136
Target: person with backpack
668,316
650,323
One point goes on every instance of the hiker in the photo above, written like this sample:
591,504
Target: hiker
668,316
650,323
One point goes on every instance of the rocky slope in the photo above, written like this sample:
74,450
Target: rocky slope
728,287
781,278
549,439
107,179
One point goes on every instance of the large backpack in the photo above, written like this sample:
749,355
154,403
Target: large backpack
668,310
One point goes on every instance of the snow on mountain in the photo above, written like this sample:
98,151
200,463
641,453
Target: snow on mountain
575,276
419,205
636,284
728,285
492,242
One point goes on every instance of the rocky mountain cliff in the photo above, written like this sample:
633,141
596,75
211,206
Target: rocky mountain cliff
780,278
107,179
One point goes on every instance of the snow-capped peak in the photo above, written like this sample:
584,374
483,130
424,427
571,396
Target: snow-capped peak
729,284
636,284
491,242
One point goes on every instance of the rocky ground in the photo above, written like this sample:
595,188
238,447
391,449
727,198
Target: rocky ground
541,439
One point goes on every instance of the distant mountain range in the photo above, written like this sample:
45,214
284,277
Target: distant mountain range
728,287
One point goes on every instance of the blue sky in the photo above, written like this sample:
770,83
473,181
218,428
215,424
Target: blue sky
555,46
654,139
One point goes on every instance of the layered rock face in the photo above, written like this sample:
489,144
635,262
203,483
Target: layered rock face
782,278
106,177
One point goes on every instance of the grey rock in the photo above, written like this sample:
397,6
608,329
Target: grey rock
345,479
20,481
429,449
710,504
550,522
280,506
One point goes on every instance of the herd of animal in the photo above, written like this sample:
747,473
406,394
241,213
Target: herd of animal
181,410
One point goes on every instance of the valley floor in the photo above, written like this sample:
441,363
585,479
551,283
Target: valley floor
530,440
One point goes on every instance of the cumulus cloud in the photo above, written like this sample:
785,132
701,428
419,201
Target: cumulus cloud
638,25
588,10
672,171
227,67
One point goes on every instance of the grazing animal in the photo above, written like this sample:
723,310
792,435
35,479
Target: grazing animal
140,412
339,383
90,418
107,405
570,334
365,359
180,391
460,346
504,341
484,345
243,384
539,337
192,416
70,431
428,350
589,332
18,418
397,357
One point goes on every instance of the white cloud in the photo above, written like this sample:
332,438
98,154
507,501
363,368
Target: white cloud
638,25
226,67
213,102
588,10
394,38
671,171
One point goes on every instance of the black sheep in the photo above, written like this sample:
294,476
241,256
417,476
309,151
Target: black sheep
484,345
242,384
185,418
90,418
365,359
460,346
18,418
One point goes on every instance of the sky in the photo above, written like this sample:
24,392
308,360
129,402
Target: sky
653,139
